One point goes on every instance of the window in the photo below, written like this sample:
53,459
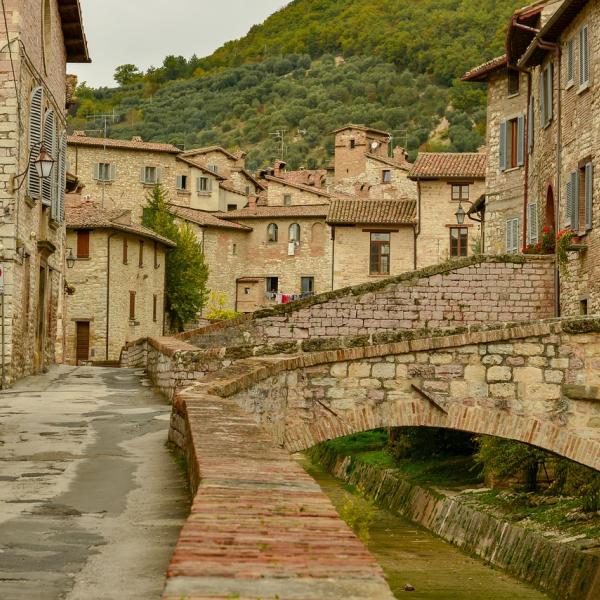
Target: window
83,244
584,57
182,182
583,307
231,207
272,285
104,172
125,250
36,114
156,263
512,143
546,95
380,254
459,239
150,175
247,190
131,306
530,125
272,233
307,286
532,223
141,261
234,249
203,184
512,235
460,191
352,144
49,187
294,232
513,82
570,60
580,198
154,308
386,176
213,168
287,199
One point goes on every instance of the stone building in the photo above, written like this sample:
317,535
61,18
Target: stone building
41,37
542,96
116,283
371,239
445,181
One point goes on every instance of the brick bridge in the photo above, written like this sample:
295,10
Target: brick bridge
248,393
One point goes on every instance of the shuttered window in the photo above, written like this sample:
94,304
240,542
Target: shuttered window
36,105
203,184
532,223
49,191
512,235
131,306
572,209
570,59
588,199
62,179
584,57
512,143
150,175
530,125
181,182
83,244
105,172
546,95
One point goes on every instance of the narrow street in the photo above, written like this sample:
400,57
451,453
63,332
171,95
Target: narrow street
91,500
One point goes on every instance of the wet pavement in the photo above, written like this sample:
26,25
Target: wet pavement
91,500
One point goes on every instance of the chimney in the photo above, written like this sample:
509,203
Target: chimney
240,159
400,155
252,199
278,168
137,138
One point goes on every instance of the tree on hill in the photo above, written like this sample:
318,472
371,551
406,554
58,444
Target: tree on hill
186,291
126,74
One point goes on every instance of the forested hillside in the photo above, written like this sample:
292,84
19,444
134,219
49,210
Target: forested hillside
397,68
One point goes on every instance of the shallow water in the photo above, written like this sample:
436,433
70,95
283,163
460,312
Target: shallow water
410,554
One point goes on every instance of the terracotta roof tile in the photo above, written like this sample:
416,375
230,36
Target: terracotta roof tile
406,166
306,188
480,72
376,212
87,215
205,219
200,166
438,165
84,140
262,212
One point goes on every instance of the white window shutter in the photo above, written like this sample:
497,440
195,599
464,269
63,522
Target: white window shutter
159,174
36,106
550,87
532,223
143,174
179,182
575,205
49,183
584,64
96,171
515,235
509,235
62,178
520,141
209,184
570,61
198,184
502,145
530,125
588,195
569,207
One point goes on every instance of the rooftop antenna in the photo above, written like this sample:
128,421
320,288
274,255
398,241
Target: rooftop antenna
106,117
402,133
279,135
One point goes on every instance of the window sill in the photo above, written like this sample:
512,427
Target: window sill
104,181
513,95
584,88
204,193
570,84
511,169
149,185
379,275
83,258
53,224
29,201
183,192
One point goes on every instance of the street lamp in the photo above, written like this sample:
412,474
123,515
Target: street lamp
70,259
44,164
460,214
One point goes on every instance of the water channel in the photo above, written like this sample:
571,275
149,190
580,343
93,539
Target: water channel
410,554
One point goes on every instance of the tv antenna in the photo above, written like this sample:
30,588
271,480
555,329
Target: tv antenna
279,136
402,133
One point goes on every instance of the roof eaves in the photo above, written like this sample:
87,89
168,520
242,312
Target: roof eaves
299,186
481,72
73,31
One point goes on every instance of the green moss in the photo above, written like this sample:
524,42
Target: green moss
584,325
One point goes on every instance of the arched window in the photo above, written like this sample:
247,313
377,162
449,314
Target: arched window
272,232
36,104
50,144
294,232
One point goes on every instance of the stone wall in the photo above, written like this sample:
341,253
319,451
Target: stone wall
472,290
562,571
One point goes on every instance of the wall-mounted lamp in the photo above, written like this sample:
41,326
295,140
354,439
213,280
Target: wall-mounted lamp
43,164
460,214
70,259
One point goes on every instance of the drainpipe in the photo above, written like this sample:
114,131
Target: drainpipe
417,228
108,290
556,73
526,155
333,257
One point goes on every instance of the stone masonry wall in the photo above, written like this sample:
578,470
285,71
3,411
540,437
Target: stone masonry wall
473,290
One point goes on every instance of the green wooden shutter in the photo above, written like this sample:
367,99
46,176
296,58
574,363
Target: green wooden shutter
575,205
36,108
569,206
503,146
520,141
550,87
588,195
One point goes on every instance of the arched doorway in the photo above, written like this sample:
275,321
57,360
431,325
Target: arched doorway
549,220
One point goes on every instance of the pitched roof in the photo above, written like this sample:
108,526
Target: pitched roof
204,218
361,128
73,33
87,215
226,185
263,212
251,177
304,188
390,162
84,140
372,212
481,72
207,149
441,165
200,167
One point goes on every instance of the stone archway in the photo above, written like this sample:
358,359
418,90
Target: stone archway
549,212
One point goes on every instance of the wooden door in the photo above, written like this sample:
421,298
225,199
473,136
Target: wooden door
82,342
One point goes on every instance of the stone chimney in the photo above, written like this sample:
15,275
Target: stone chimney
278,168
400,155
240,159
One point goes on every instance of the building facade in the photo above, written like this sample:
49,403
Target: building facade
116,282
41,37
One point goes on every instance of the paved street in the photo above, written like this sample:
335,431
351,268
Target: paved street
91,501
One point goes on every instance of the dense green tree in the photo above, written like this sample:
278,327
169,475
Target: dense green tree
186,271
126,74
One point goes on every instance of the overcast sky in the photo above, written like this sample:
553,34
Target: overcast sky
143,32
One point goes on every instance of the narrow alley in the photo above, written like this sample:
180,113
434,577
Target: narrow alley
88,487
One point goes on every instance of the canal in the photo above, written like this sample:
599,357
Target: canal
411,555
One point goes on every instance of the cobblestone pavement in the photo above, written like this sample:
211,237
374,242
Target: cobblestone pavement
91,501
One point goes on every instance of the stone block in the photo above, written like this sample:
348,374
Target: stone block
542,391
503,390
339,370
384,370
528,375
498,374
492,359
500,349
554,376
359,370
